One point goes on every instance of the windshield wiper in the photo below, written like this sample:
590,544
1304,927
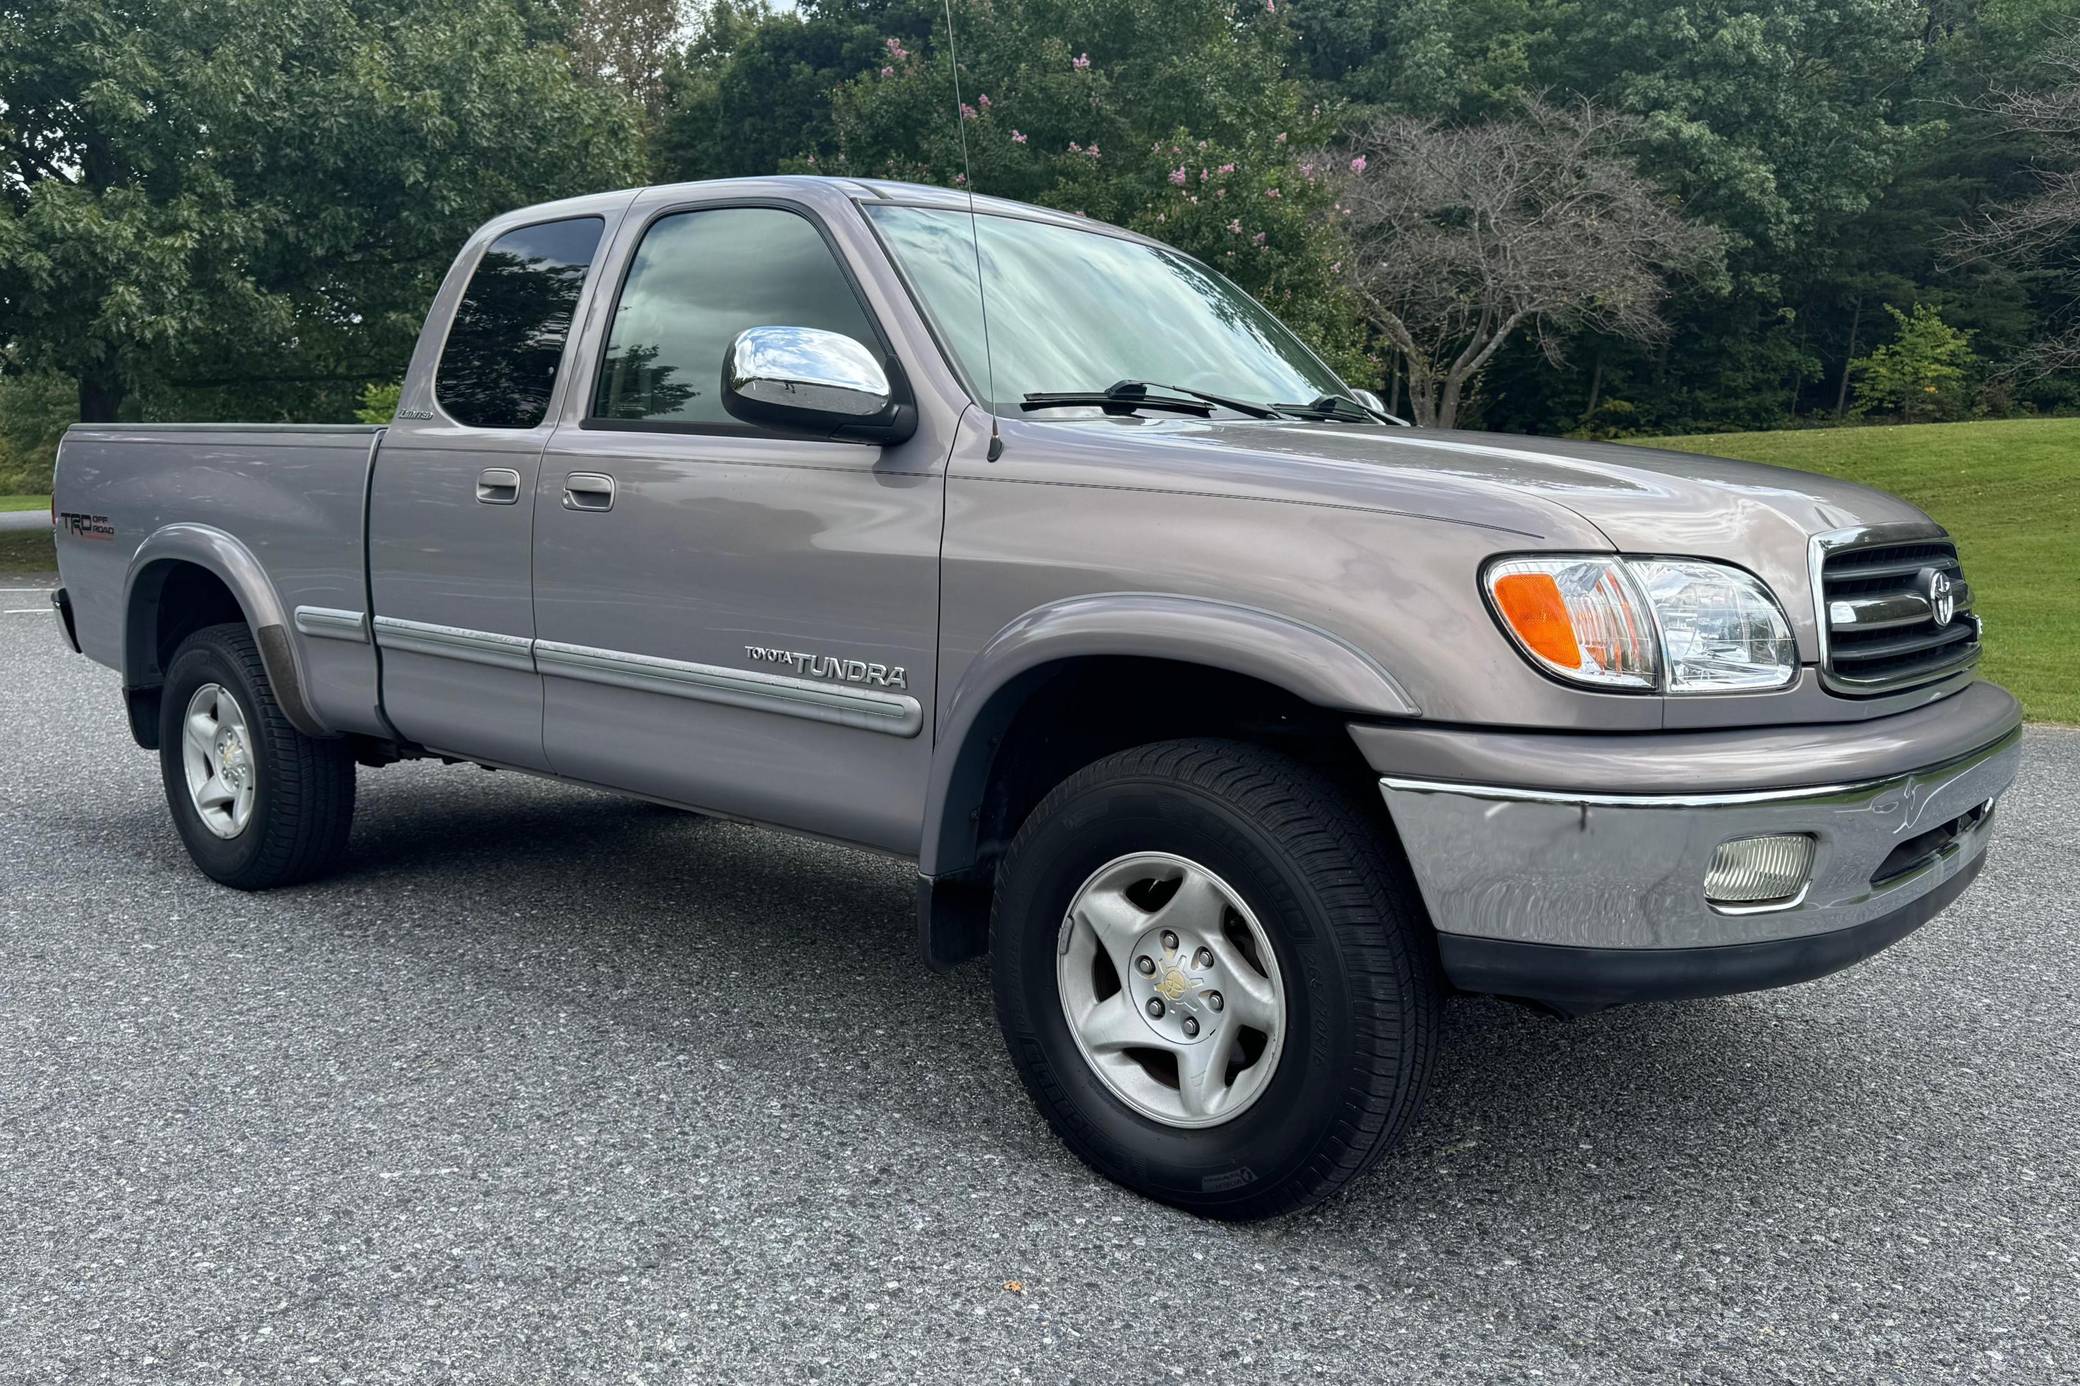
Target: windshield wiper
1330,407
1125,396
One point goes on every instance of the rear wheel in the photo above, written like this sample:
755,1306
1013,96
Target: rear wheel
1212,977
257,803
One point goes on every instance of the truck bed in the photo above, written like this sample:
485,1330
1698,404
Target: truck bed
286,499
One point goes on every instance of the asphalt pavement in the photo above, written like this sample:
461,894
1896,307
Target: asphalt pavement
551,1086
24,520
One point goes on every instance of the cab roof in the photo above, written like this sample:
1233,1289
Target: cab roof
861,190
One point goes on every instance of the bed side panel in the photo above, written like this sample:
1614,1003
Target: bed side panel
294,495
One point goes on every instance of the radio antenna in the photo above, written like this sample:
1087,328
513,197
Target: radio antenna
960,126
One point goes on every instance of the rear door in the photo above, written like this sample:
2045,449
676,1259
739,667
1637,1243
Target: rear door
451,504
728,616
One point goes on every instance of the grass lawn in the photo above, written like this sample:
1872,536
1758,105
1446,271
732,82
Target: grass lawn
27,555
25,502
2009,491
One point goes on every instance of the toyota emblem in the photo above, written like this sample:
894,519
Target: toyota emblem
1941,594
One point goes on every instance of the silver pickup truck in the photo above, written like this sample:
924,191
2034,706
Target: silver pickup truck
1235,722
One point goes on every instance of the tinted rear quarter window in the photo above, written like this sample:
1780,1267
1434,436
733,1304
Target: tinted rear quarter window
499,365
698,279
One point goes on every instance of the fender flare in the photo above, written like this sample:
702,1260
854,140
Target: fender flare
232,563
1314,665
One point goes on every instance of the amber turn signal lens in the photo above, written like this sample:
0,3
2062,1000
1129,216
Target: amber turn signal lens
1532,605
1576,616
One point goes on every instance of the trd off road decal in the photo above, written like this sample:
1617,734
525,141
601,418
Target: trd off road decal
78,526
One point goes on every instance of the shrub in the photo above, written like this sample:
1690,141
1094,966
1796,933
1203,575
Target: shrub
379,402
1921,376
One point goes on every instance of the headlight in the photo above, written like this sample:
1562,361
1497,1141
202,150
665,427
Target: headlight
1644,624
1721,631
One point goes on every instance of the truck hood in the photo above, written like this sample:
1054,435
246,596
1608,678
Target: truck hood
1657,501
1564,492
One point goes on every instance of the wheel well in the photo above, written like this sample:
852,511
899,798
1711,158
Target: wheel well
169,602
190,599
1052,721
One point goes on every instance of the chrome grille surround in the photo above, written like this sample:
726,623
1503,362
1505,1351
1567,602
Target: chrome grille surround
1875,617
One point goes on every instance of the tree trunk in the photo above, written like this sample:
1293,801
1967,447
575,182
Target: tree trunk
1394,389
1841,396
1595,388
1422,387
1422,395
1448,404
101,392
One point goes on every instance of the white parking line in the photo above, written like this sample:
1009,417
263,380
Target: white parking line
26,611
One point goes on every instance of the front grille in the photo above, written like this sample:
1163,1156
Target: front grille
1879,603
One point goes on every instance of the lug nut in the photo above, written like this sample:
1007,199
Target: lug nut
1203,958
1145,965
1155,1008
1169,942
1213,999
1191,1027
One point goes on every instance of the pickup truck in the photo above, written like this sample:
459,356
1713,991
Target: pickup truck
1235,721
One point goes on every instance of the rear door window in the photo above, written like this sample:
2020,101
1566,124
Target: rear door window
499,365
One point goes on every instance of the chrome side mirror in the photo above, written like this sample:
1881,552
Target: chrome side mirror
815,381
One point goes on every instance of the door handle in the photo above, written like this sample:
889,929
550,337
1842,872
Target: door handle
588,491
498,486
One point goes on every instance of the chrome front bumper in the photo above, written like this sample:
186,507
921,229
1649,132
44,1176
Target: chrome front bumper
1589,870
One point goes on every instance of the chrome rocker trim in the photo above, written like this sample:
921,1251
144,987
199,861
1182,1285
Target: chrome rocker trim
865,709
332,623
1593,870
454,642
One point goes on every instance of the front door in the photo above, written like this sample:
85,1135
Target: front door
451,504
726,616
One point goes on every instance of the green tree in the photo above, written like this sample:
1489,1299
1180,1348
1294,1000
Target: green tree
379,403
754,89
255,198
2041,229
1787,124
1919,376
34,412
626,43
1177,118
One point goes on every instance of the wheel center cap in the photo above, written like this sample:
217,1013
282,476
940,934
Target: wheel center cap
1172,991
231,757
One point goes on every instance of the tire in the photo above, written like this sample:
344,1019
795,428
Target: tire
1291,862
301,801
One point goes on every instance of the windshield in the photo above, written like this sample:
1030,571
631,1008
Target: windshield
1082,310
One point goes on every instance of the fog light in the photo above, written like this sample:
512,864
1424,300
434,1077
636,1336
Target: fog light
1759,870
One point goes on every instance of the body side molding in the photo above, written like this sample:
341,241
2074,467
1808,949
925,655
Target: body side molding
455,642
867,709
332,623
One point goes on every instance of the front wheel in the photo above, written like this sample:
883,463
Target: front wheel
257,803
1212,977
